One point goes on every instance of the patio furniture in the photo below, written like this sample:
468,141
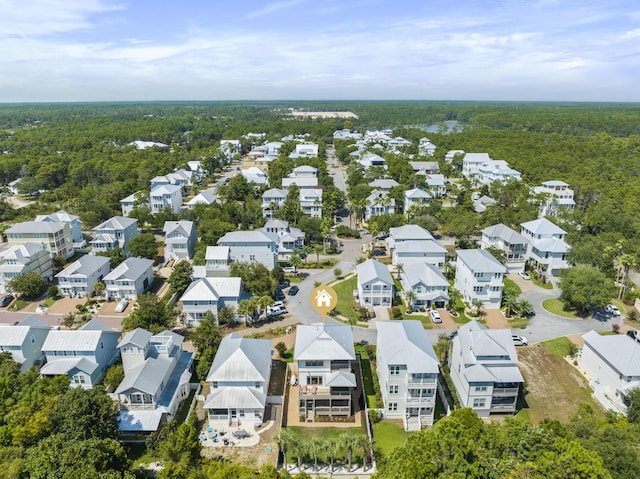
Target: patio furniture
203,438
241,434
209,428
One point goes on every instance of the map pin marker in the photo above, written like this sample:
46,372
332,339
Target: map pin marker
324,299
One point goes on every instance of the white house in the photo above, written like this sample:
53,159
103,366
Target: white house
451,154
324,355
156,380
407,368
203,198
239,381
512,244
472,162
304,171
557,197
479,276
24,341
407,233
166,197
311,202
255,175
385,185
303,182
484,370
425,167
272,200
21,259
180,240
289,239
415,198
409,252
116,232
136,199
375,284
379,204
371,159
429,286
547,251
78,279
130,278
54,236
217,259
72,220
426,148
612,364
83,355
306,149
435,184
249,246
209,294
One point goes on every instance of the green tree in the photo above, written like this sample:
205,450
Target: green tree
99,288
115,255
349,442
585,287
632,400
255,277
27,286
207,334
114,376
316,445
151,313
144,245
180,277
478,304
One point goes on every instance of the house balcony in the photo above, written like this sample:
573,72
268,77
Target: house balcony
505,392
424,401
423,382
324,392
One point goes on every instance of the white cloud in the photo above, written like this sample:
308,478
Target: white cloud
275,7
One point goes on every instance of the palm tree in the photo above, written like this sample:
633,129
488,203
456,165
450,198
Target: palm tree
245,308
316,444
399,270
349,441
524,306
333,448
263,302
364,442
478,304
454,297
299,449
283,439
510,303
410,296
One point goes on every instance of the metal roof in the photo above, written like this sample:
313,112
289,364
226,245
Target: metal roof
324,342
406,343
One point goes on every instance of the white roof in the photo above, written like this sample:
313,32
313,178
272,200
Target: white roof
183,227
241,359
505,233
36,227
301,181
212,289
61,216
621,352
543,227
138,337
274,193
244,237
202,198
409,232
84,266
116,223
217,253
341,379
372,270
23,252
130,268
555,183
140,420
64,365
162,190
406,343
424,273
324,342
384,183
480,261
86,338
416,193
414,246
236,397
11,336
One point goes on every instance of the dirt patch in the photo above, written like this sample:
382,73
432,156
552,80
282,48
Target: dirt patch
555,389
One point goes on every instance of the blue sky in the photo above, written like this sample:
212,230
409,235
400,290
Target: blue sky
86,50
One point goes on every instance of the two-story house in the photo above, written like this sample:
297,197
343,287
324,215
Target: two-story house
436,185
82,355
73,221
165,197
377,203
54,236
239,381
116,232
21,259
407,233
180,240
250,246
384,185
137,199
407,368
289,239
217,259
415,199
202,198
311,202
512,244
407,252
24,341
272,200
375,284
547,251
556,196
78,279
255,175
479,276
157,374
484,370
129,279
429,286
324,355
209,294
426,148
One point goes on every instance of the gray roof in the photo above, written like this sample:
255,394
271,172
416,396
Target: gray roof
84,266
244,237
505,233
416,193
241,359
406,342
116,223
373,270
621,352
34,322
213,288
274,192
65,365
480,261
138,337
36,227
61,216
165,190
543,227
413,246
87,338
341,379
236,397
147,376
22,253
324,342
217,252
410,232
384,183
130,268
424,273
204,198
184,227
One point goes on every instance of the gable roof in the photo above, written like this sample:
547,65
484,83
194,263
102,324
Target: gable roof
274,192
116,223
621,352
372,270
324,342
409,232
384,183
66,365
182,227
241,359
505,233
84,339
162,190
480,260
544,227
217,253
416,193
212,289
424,273
60,216
236,397
202,198
130,268
84,266
22,253
406,342
138,337
244,237
36,227
414,246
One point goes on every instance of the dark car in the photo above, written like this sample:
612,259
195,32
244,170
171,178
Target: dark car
280,296
633,334
284,284
293,290
6,300
378,252
529,313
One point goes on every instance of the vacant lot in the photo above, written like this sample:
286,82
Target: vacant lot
555,388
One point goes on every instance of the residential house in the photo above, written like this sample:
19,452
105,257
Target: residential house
138,199
407,233
129,279
484,370
78,279
311,202
472,162
272,201
306,149
230,148
556,197
479,276
407,368
416,199
239,381
24,341
195,166
425,167
166,197
612,364
451,154
512,244
21,259
157,374
379,204
325,356
375,284
116,232
416,251
302,182
346,134
289,239
547,251
74,224
204,198
429,286
180,240
426,148
143,145
179,177
55,236
481,204
209,294
483,170
248,246
435,185
304,171
384,185
217,259
255,175
83,355
371,159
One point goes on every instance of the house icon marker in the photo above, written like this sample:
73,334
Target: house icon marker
323,300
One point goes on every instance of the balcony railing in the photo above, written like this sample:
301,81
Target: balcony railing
503,407
505,391
423,401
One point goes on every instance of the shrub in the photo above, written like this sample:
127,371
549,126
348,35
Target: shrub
374,416
396,313
282,349
346,232
53,292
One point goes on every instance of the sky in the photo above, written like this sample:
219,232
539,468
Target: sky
144,50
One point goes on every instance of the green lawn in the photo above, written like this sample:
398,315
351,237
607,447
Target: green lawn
304,434
557,307
561,347
369,379
538,283
344,290
510,284
387,436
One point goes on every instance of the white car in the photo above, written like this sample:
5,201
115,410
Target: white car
289,269
613,310
121,306
519,340
435,316
524,275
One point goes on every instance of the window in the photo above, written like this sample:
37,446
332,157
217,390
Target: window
394,370
313,363
393,406
495,288
480,388
257,385
478,289
393,389
477,275
214,385
479,402
252,257
314,380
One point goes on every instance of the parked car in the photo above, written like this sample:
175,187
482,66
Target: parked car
277,304
529,313
633,334
435,316
524,275
284,284
612,310
273,312
519,340
280,295
289,269
378,252
6,300
121,306
293,290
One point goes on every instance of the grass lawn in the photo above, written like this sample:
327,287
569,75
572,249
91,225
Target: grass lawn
540,284
368,377
557,307
18,304
388,436
344,290
561,347
510,284
49,301
325,433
